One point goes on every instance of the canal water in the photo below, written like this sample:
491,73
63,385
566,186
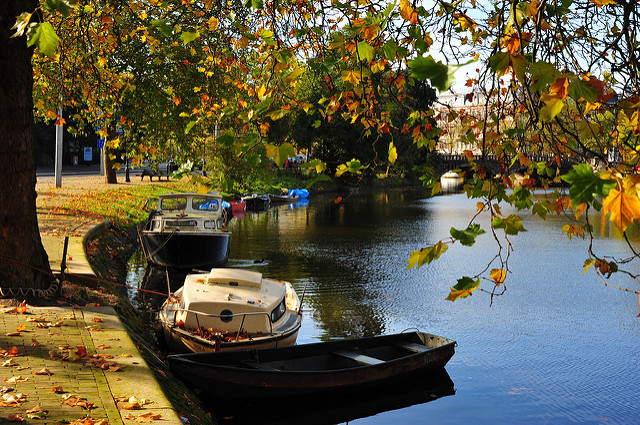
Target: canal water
558,347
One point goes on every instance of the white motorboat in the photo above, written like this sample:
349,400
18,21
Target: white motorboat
228,309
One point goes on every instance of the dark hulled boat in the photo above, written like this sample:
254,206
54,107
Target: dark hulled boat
187,231
319,368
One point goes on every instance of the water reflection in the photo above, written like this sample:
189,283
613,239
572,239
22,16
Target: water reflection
332,409
558,348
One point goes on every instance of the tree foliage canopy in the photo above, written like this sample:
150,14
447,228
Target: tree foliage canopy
552,77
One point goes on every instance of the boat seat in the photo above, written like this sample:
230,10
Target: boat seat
260,366
412,346
360,358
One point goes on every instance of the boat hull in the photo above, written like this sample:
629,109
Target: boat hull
186,251
313,368
181,341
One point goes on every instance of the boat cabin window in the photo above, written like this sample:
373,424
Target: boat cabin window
207,204
278,312
171,204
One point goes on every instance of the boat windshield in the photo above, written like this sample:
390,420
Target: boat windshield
207,204
173,203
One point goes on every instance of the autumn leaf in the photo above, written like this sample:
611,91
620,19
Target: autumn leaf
58,389
280,153
43,371
144,418
15,379
82,351
463,288
426,255
601,3
393,154
352,77
553,106
10,362
498,276
624,208
37,413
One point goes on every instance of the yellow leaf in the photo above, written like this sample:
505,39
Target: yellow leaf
321,167
342,168
624,208
601,3
498,276
553,106
213,24
393,153
352,77
261,92
463,293
480,206
202,190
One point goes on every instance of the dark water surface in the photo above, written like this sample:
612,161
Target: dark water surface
559,347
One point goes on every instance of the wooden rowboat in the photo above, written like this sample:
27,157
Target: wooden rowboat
325,367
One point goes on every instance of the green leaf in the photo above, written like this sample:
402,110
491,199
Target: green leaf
585,185
540,209
441,76
318,178
426,255
521,198
264,105
365,51
63,6
163,27
468,236
190,126
280,153
543,73
499,63
582,89
254,4
512,225
225,139
44,37
187,37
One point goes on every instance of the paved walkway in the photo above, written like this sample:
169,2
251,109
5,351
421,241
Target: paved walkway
75,363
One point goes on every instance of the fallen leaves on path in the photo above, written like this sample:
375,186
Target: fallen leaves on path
77,400
15,379
131,403
13,400
144,418
43,371
37,413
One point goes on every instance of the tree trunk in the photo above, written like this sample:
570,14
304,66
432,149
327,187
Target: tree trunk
109,170
23,260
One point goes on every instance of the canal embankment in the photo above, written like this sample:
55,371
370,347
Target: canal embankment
84,355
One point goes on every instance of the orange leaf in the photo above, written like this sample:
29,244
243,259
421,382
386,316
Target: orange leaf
22,308
21,328
624,208
97,319
13,352
82,351
57,389
560,87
